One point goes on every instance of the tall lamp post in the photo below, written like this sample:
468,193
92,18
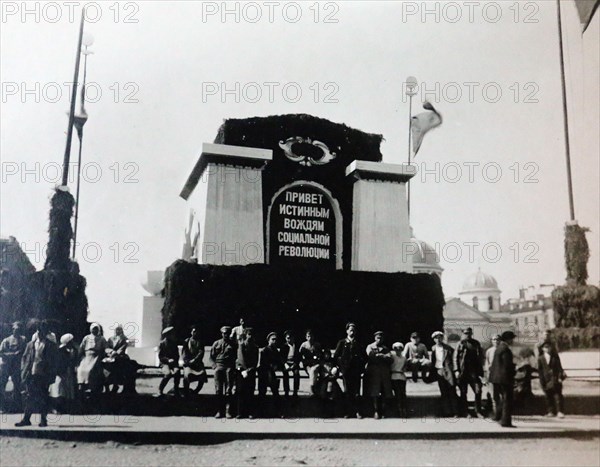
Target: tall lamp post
411,84
79,121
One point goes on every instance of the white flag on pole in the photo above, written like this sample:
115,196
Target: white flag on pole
422,123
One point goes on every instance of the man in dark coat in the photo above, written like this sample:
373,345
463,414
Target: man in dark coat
502,376
551,375
222,355
443,367
350,357
168,355
11,353
246,364
38,372
468,362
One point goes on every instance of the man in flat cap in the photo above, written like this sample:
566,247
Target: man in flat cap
168,355
443,365
223,354
502,376
350,358
417,357
246,365
11,351
468,362
269,361
378,380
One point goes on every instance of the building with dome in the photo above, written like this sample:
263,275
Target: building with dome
477,307
481,291
425,258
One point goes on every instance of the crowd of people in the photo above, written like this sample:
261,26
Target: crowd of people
44,367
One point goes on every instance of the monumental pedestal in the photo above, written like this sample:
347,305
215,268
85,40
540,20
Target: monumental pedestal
299,223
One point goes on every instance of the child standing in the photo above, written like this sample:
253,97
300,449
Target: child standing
399,378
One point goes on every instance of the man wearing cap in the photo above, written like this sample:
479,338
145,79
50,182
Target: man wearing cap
443,364
168,355
378,381
417,357
192,354
269,361
222,355
291,364
246,364
350,358
11,351
502,376
468,362
38,372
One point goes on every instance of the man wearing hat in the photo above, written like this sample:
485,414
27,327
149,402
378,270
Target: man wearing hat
269,361
502,376
378,380
468,362
350,358
417,357
168,355
246,364
222,355
11,351
443,365
38,372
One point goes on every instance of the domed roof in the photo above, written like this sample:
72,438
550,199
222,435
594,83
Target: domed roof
479,281
423,254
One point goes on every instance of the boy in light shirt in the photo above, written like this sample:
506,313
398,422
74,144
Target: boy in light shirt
399,378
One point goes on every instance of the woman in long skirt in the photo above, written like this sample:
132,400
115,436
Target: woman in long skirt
93,348
65,388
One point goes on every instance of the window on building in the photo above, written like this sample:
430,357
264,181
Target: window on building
490,302
476,303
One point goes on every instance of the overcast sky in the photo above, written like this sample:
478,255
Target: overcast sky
160,70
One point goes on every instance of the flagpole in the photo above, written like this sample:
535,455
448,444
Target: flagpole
565,114
67,156
79,122
411,85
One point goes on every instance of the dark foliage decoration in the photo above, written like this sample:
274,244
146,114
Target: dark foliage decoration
577,338
576,306
577,254
296,299
60,231
57,293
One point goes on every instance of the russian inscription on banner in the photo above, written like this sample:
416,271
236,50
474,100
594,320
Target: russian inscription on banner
302,227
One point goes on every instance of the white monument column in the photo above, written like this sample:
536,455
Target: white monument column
380,224
225,191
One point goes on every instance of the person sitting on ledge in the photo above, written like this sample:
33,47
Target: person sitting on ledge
417,358
193,366
168,355
269,361
291,364
378,382
222,355
311,355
